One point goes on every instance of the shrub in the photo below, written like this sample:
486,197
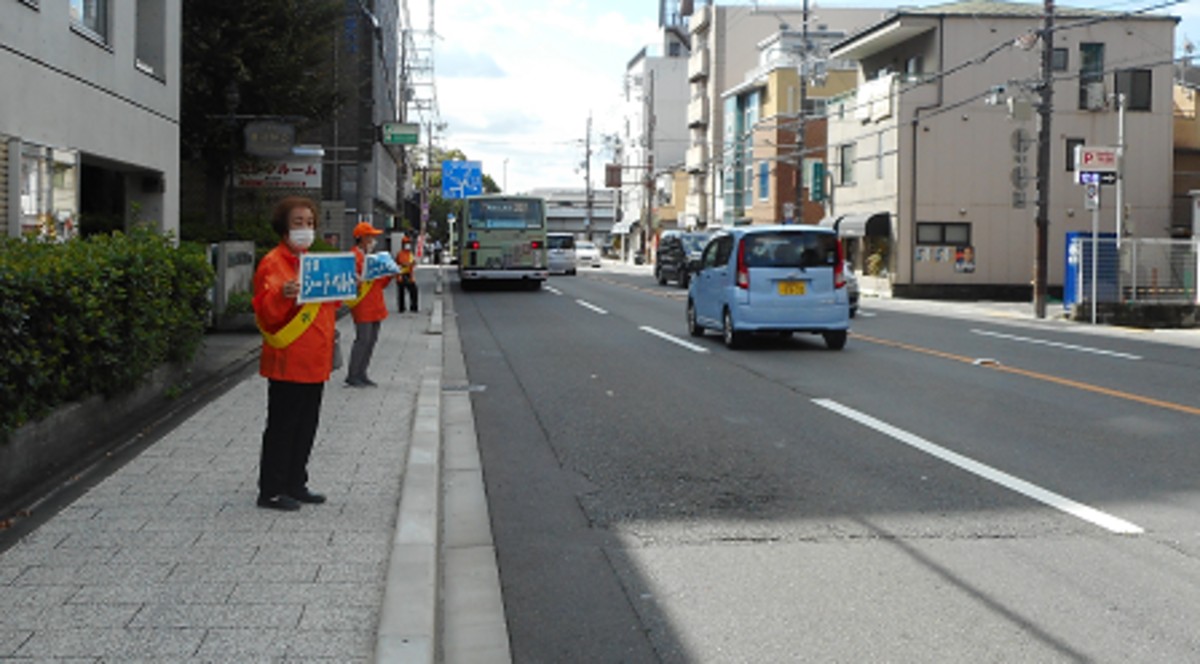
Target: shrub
94,316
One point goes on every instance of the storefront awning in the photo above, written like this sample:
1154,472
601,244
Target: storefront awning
876,224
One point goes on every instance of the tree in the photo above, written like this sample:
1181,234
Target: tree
278,55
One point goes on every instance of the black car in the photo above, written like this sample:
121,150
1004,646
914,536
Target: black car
675,248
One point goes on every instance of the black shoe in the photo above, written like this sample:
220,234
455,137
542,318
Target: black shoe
281,502
367,382
355,383
306,496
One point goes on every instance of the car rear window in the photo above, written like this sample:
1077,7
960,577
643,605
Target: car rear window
694,241
560,241
791,249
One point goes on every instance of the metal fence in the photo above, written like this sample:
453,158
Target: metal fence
1144,271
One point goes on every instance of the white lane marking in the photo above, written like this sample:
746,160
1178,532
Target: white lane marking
1089,514
552,289
589,305
1056,344
673,339
866,314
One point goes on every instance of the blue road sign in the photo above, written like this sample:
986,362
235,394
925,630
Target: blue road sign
326,277
462,178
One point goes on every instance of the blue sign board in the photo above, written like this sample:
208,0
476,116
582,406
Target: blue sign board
462,178
327,277
379,264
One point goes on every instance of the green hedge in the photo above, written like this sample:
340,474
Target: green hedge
94,316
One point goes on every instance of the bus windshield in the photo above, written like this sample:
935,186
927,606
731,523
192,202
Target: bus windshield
504,214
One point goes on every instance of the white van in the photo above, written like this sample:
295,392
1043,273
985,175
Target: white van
560,254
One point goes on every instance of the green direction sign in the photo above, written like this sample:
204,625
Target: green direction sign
401,133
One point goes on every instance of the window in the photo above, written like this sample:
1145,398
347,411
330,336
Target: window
1072,143
151,37
1059,61
764,181
846,153
49,188
1135,84
1091,70
955,234
91,16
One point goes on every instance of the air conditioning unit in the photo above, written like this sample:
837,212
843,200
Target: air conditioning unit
1097,100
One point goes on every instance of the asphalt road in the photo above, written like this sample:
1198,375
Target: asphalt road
957,486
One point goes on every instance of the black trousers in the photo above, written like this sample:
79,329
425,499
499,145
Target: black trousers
293,412
409,286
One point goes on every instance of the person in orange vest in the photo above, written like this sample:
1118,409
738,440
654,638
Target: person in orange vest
297,359
368,309
408,277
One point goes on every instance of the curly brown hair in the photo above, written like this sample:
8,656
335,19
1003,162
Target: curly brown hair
283,209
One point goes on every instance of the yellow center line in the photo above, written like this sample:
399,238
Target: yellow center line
1066,382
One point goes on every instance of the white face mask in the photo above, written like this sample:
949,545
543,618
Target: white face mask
302,238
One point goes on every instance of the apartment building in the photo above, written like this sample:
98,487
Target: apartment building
89,120
723,50
761,156
933,155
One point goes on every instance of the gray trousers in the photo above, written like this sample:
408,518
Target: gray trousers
365,336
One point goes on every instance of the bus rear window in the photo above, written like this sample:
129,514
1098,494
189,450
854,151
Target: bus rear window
504,214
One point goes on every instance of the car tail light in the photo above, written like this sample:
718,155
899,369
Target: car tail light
839,268
743,272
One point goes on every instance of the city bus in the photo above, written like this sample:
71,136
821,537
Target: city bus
503,238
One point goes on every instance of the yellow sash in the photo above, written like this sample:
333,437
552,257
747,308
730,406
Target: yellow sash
294,328
364,287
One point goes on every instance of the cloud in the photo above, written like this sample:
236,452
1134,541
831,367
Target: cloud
458,63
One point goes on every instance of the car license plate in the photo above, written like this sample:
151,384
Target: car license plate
791,288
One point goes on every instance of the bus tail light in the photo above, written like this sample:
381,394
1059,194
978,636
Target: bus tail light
743,272
536,244
474,244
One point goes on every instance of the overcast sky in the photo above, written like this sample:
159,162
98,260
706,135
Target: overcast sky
517,79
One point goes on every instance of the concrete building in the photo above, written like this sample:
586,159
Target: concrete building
654,137
89,119
723,49
361,178
931,173
760,154
1185,208
567,211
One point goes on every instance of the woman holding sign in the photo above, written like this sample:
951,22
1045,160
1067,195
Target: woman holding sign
368,309
297,358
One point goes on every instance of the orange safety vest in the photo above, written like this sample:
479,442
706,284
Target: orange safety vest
297,339
369,306
404,258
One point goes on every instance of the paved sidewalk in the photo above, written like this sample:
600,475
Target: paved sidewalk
168,559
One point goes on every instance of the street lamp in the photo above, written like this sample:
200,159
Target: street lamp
232,99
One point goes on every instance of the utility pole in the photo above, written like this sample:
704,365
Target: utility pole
587,178
649,176
799,218
1043,162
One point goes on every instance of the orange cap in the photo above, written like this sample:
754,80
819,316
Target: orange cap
364,229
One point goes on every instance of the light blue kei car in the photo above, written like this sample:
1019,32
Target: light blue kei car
772,279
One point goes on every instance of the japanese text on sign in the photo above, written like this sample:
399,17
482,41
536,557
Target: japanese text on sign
379,264
327,277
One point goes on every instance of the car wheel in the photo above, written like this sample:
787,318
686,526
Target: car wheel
658,274
694,327
733,338
835,339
